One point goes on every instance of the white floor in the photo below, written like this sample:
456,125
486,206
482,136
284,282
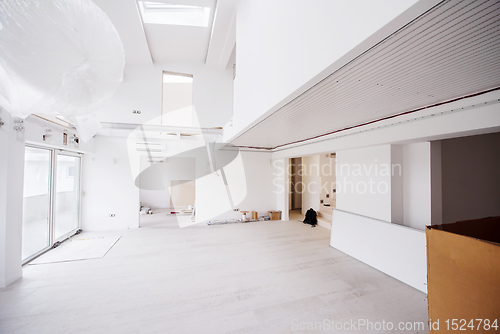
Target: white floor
262,277
78,248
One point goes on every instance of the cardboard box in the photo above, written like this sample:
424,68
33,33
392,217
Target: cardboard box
463,275
244,215
255,215
275,215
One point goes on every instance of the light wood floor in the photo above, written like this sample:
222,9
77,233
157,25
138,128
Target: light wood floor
295,215
241,278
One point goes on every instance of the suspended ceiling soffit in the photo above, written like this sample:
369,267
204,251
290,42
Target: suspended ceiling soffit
448,52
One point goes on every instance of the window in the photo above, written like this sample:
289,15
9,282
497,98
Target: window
172,14
177,105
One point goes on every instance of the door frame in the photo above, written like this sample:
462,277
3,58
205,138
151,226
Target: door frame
52,194
77,155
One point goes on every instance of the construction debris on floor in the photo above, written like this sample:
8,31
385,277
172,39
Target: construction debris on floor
234,221
146,210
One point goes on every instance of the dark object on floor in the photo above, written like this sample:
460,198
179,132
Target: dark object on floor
311,217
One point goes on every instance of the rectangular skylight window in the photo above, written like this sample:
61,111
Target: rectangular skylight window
173,14
177,78
150,5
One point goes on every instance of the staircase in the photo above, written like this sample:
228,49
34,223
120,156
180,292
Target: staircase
325,216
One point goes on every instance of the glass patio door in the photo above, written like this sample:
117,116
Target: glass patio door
51,198
67,195
36,201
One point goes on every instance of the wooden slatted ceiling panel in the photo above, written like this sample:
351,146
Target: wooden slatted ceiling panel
449,52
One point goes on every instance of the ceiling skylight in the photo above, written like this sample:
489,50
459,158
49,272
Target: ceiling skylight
172,14
177,78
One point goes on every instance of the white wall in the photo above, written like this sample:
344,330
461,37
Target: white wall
397,191
155,179
251,187
183,193
311,178
436,184
408,202
259,179
142,90
417,185
364,181
396,250
281,186
362,224
282,44
108,187
11,200
471,177
157,199
35,128
177,96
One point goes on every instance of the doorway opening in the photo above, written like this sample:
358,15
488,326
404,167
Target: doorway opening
296,189
167,191
312,185
328,188
182,196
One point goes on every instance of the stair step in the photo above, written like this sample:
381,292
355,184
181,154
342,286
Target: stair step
326,215
324,223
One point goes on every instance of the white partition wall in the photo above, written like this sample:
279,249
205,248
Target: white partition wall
417,185
373,184
364,181
396,250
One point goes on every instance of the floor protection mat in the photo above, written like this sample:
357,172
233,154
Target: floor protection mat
76,249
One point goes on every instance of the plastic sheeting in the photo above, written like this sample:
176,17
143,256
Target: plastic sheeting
58,57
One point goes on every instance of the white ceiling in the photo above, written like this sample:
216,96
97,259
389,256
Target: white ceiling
177,43
125,17
223,36
172,43
151,49
160,43
451,51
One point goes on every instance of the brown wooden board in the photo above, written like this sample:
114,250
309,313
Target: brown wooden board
463,275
